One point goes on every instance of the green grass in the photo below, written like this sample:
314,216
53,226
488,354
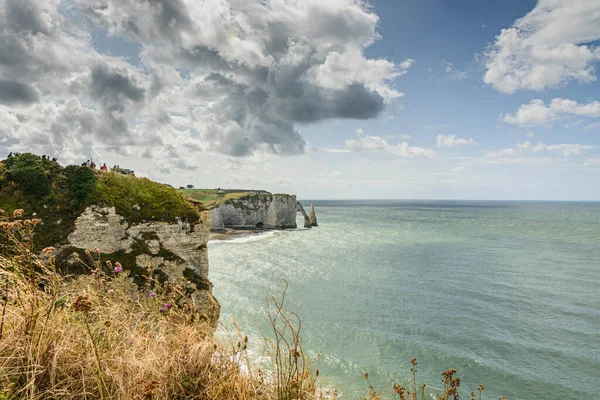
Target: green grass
201,195
214,197
71,190
157,202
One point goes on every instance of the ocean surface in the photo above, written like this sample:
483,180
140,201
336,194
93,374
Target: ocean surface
508,293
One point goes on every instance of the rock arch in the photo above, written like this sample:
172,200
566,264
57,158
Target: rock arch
300,209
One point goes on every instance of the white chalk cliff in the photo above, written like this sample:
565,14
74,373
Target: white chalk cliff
268,211
174,250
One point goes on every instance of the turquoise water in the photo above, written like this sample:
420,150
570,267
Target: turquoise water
507,293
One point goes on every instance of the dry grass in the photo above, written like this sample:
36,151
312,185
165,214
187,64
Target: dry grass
101,337
98,337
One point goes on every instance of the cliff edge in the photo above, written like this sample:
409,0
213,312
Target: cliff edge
150,228
250,210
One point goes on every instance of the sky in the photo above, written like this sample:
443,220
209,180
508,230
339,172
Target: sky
337,99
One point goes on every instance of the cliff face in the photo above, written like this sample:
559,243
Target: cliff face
259,211
174,251
148,227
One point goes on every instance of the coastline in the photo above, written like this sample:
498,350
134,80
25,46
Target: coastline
235,234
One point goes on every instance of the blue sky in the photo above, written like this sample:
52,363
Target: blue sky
339,99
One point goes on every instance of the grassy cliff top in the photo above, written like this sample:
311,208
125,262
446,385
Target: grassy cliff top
57,195
155,201
212,198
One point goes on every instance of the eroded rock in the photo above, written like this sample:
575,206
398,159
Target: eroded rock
175,250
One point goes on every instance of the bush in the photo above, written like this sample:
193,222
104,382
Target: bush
81,182
26,171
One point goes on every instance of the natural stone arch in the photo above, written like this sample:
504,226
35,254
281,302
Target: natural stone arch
300,209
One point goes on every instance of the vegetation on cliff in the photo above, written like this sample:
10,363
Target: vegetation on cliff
100,337
212,198
58,195
140,199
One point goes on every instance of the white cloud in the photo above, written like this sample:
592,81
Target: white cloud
592,161
401,136
550,45
453,141
366,143
376,143
570,150
526,147
218,76
452,73
530,135
538,113
406,151
595,126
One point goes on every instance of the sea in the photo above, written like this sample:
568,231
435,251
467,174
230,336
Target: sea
507,293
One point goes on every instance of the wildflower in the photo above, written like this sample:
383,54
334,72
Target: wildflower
161,309
168,305
93,274
82,303
18,213
118,269
400,390
101,333
96,250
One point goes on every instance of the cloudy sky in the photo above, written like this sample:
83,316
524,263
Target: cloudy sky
463,99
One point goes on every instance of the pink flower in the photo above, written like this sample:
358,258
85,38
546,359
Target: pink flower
96,250
152,294
101,333
168,305
94,274
161,309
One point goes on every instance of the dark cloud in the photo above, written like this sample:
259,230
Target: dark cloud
227,76
25,16
115,91
15,92
111,84
357,102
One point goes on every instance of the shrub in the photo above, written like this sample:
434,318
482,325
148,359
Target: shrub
81,183
27,172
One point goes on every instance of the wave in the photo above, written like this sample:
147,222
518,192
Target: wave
250,237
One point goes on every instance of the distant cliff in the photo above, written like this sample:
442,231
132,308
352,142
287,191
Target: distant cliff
258,211
150,228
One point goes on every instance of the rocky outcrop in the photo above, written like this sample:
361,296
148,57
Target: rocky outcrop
175,251
267,211
312,216
306,219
